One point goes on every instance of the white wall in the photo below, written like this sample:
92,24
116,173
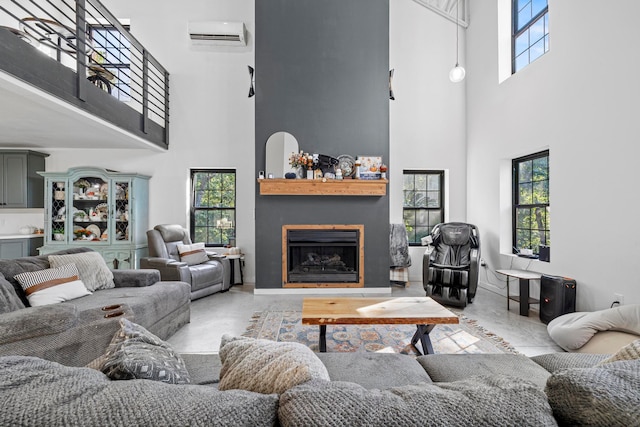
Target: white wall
427,119
212,119
573,101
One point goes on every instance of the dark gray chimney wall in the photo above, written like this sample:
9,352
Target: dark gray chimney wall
322,75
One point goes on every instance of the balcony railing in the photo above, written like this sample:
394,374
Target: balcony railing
87,39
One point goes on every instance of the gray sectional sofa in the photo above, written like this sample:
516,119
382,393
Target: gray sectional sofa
76,332
365,389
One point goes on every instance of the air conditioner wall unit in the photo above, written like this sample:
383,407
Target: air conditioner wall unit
218,33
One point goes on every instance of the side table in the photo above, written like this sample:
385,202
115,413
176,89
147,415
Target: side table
524,276
236,262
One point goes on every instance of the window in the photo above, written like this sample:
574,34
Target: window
423,205
111,50
213,206
530,32
531,202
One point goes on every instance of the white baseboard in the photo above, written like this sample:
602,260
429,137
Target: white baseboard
321,291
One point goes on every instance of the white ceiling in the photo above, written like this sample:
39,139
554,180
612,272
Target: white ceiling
31,118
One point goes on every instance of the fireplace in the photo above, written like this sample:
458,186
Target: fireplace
322,255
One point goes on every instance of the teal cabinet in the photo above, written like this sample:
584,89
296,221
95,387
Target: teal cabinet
104,210
20,184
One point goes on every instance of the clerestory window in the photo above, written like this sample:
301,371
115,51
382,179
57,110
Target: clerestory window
530,35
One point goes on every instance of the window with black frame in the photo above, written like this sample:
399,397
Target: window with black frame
110,61
530,35
213,206
531,219
423,204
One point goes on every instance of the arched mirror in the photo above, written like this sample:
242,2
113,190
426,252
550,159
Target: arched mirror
279,147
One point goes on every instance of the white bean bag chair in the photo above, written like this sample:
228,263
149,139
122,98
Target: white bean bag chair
604,331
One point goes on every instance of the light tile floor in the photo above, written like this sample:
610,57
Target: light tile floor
229,313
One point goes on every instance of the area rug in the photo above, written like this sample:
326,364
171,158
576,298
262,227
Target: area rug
465,337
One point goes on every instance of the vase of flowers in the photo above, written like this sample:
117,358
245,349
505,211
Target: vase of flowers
302,162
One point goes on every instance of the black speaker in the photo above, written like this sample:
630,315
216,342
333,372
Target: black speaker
557,297
544,253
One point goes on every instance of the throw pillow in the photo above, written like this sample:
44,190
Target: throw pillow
135,353
266,366
93,270
630,351
53,285
605,395
498,400
193,254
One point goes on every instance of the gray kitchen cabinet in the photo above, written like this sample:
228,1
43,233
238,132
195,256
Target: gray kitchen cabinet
19,247
20,184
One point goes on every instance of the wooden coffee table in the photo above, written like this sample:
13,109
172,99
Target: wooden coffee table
423,312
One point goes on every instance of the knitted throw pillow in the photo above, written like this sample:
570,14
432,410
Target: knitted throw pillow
628,352
93,270
266,366
605,395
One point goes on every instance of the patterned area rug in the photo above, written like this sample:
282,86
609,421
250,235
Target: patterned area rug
465,337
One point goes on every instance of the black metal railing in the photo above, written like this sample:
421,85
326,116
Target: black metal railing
87,38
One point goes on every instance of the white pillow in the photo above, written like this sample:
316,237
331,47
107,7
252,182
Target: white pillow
53,285
93,270
193,254
265,366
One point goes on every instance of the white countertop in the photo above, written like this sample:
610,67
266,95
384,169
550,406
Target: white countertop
19,236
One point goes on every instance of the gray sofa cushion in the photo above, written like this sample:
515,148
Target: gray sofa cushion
553,362
203,368
9,300
150,304
140,278
454,367
485,401
607,395
39,321
377,370
44,393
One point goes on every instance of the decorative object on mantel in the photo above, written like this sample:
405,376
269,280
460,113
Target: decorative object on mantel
370,167
290,175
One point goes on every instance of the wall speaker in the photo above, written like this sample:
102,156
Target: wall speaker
557,297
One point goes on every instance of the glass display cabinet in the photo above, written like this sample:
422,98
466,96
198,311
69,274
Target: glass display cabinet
104,210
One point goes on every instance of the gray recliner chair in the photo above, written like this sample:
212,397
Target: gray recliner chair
205,279
451,263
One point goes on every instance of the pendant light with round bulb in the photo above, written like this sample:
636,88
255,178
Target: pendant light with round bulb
457,73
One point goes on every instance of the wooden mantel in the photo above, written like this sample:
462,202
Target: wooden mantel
318,187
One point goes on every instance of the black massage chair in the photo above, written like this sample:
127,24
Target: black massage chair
450,263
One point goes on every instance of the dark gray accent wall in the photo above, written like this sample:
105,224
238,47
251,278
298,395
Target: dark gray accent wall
322,75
